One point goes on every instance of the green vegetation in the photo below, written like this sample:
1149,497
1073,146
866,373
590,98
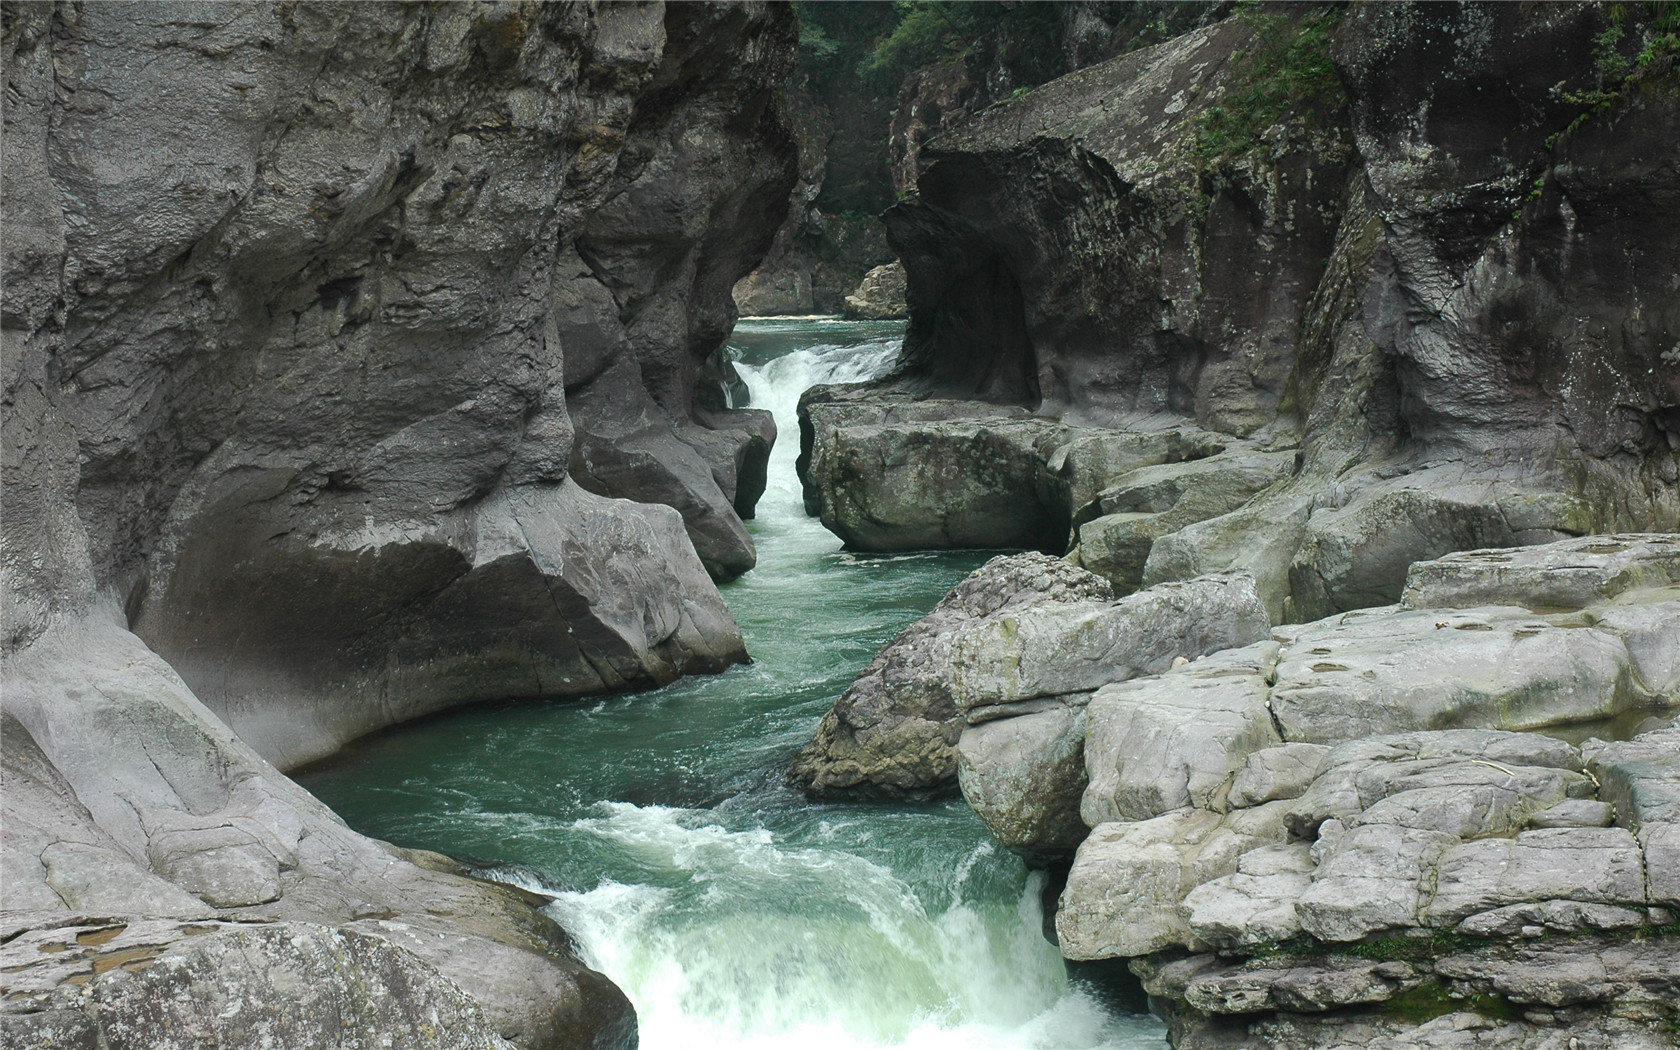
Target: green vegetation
1430,1000
1287,74
934,32
1658,27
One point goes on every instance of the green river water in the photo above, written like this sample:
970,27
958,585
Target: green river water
733,912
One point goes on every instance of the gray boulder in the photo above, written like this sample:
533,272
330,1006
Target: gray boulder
1024,777
1128,881
1116,532
1049,650
153,983
1158,744
895,728
880,295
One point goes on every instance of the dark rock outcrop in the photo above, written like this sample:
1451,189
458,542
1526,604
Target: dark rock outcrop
320,323
1442,281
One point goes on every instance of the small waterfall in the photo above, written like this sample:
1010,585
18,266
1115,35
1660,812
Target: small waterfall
776,386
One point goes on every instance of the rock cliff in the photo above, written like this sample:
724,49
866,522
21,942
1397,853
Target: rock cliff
359,362
1386,243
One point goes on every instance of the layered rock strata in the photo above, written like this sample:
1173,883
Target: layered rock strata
331,336
1434,279
1013,652
1440,822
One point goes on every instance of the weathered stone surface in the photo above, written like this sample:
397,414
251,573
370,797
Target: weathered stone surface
1048,650
1362,773
1256,905
894,730
1368,879
296,298
880,295
886,474
1572,574
1381,671
1641,779
109,757
1575,813
1276,773
1024,776
1129,880
155,983
1161,743
1564,916
1591,865
1150,502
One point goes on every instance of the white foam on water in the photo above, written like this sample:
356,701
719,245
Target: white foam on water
756,943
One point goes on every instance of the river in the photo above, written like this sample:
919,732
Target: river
733,912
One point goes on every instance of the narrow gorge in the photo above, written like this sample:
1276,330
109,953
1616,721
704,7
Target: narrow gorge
1217,586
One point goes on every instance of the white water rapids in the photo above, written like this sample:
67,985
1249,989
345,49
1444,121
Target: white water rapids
734,913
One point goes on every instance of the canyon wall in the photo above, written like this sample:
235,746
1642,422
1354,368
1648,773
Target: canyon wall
1389,244
360,361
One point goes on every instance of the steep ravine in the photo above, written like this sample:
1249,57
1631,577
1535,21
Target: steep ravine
733,912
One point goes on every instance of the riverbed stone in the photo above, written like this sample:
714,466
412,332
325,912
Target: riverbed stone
1129,879
1049,650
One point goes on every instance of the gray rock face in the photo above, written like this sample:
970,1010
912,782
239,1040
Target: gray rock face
1146,504
1128,881
888,473
894,730
1572,574
311,313
1050,650
1024,777
1055,252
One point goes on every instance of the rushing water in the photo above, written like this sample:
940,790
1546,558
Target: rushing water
733,912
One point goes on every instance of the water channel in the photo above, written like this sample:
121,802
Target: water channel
733,912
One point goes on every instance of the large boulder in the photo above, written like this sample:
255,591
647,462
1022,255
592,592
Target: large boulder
893,731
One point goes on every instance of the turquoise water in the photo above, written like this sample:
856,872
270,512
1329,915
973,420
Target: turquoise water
733,912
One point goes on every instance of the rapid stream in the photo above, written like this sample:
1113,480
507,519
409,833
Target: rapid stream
734,913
